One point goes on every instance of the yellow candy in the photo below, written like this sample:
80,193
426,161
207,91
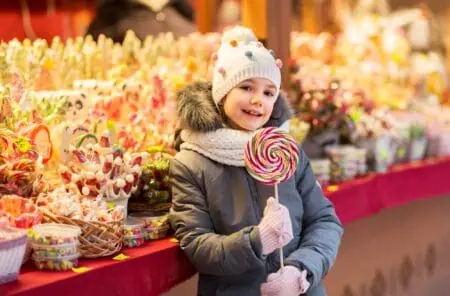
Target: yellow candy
48,63
191,65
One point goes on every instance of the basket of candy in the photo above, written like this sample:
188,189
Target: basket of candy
101,222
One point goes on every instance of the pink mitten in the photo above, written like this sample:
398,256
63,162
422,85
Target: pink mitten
275,229
290,282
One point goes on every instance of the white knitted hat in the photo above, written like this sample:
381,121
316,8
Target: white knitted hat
241,57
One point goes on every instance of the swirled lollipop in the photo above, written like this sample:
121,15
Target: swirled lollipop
271,156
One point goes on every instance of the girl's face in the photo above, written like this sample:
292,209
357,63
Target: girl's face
249,105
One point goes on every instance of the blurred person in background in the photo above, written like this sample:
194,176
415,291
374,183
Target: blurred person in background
145,17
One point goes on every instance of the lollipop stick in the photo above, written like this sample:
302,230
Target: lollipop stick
281,249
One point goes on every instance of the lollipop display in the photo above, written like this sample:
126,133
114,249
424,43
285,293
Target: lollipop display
271,157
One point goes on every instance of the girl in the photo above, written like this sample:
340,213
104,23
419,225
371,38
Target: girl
226,222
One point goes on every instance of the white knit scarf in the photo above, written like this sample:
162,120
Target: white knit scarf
224,145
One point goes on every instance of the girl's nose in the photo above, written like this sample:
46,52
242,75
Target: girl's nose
255,100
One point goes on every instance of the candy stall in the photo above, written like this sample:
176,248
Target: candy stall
87,134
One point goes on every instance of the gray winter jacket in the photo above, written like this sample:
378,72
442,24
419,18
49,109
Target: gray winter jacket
216,209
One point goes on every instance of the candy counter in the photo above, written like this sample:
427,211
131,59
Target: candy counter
148,270
158,265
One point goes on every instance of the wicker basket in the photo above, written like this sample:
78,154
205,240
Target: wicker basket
97,239
11,256
144,207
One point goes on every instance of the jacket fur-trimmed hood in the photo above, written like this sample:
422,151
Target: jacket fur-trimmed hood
197,111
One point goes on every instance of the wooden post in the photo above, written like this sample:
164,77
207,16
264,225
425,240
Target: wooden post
316,15
254,15
279,34
308,16
205,14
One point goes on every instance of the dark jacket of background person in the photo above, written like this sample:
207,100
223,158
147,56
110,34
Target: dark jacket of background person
114,17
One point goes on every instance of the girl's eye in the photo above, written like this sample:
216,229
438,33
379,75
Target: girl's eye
246,87
269,93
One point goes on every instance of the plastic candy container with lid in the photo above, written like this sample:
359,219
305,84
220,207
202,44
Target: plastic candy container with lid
55,246
133,233
156,225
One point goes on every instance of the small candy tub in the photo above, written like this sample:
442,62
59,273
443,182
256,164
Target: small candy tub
151,233
133,227
133,241
156,225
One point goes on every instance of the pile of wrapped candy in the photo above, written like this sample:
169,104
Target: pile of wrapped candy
373,88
